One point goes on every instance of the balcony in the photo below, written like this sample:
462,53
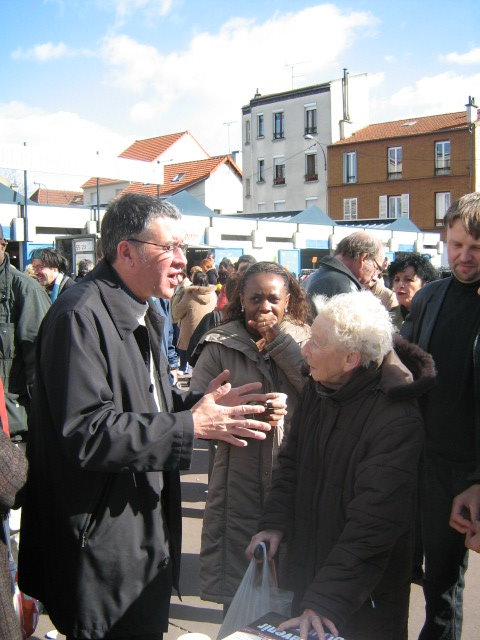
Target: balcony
310,130
311,177
277,181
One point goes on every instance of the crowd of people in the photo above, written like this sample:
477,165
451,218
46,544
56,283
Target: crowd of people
341,413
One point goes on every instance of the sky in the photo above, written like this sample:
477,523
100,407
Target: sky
95,75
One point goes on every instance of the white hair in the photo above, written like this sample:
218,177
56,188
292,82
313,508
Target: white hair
359,322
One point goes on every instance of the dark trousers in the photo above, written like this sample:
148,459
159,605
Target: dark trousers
445,554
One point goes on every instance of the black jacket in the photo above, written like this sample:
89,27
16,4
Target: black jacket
103,492
331,278
344,488
23,304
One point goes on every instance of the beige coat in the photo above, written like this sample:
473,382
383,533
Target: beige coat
241,476
196,302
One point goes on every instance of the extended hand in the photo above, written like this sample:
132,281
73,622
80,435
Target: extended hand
247,393
310,620
211,421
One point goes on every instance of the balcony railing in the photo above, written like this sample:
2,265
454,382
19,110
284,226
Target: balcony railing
279,181
310,177
278,135
310,130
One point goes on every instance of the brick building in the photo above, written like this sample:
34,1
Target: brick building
408,168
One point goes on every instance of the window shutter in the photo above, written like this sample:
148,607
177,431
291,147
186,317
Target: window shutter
382,207
353,209
405,205
346,209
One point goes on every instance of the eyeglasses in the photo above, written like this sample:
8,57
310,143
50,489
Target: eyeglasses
168,248
379,267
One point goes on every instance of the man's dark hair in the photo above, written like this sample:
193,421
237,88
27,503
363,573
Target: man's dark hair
51,258
357,244
298,308
84,266
225,262
200,279
421,265
129,216
467,210
245,258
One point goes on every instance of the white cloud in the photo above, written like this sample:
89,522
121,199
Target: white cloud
58,133
204,85
427,96
49,51
471,57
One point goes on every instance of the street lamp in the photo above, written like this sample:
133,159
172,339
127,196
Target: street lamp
308,136
40,184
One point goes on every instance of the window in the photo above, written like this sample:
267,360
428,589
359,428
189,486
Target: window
442,158
394,163
310,119
247,187
260,207
394,206
442,202
349,167
311,167
178,177
93,198
350,208
309,202
260,126
247,131
261,170
278,125
279,170
279,205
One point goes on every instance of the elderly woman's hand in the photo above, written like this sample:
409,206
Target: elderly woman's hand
310,620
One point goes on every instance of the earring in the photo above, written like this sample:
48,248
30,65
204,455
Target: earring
286,309
242,309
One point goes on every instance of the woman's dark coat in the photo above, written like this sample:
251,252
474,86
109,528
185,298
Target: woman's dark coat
344,490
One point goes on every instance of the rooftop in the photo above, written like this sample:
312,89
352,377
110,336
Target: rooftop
409,127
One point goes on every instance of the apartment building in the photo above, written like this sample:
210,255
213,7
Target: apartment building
410,168
285,138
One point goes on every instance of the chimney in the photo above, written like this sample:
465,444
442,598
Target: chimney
345,123
472,114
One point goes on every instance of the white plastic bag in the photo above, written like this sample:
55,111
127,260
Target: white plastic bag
256,595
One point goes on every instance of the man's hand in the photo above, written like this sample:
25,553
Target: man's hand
465,516
211,421
310,619
272,536
244,394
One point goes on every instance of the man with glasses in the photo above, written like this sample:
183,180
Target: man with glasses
23,304
357,264
101,529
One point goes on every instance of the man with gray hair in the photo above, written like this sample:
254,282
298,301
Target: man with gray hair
101,527
444,320
358,262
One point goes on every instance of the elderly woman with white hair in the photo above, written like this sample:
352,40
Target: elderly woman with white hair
343,494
